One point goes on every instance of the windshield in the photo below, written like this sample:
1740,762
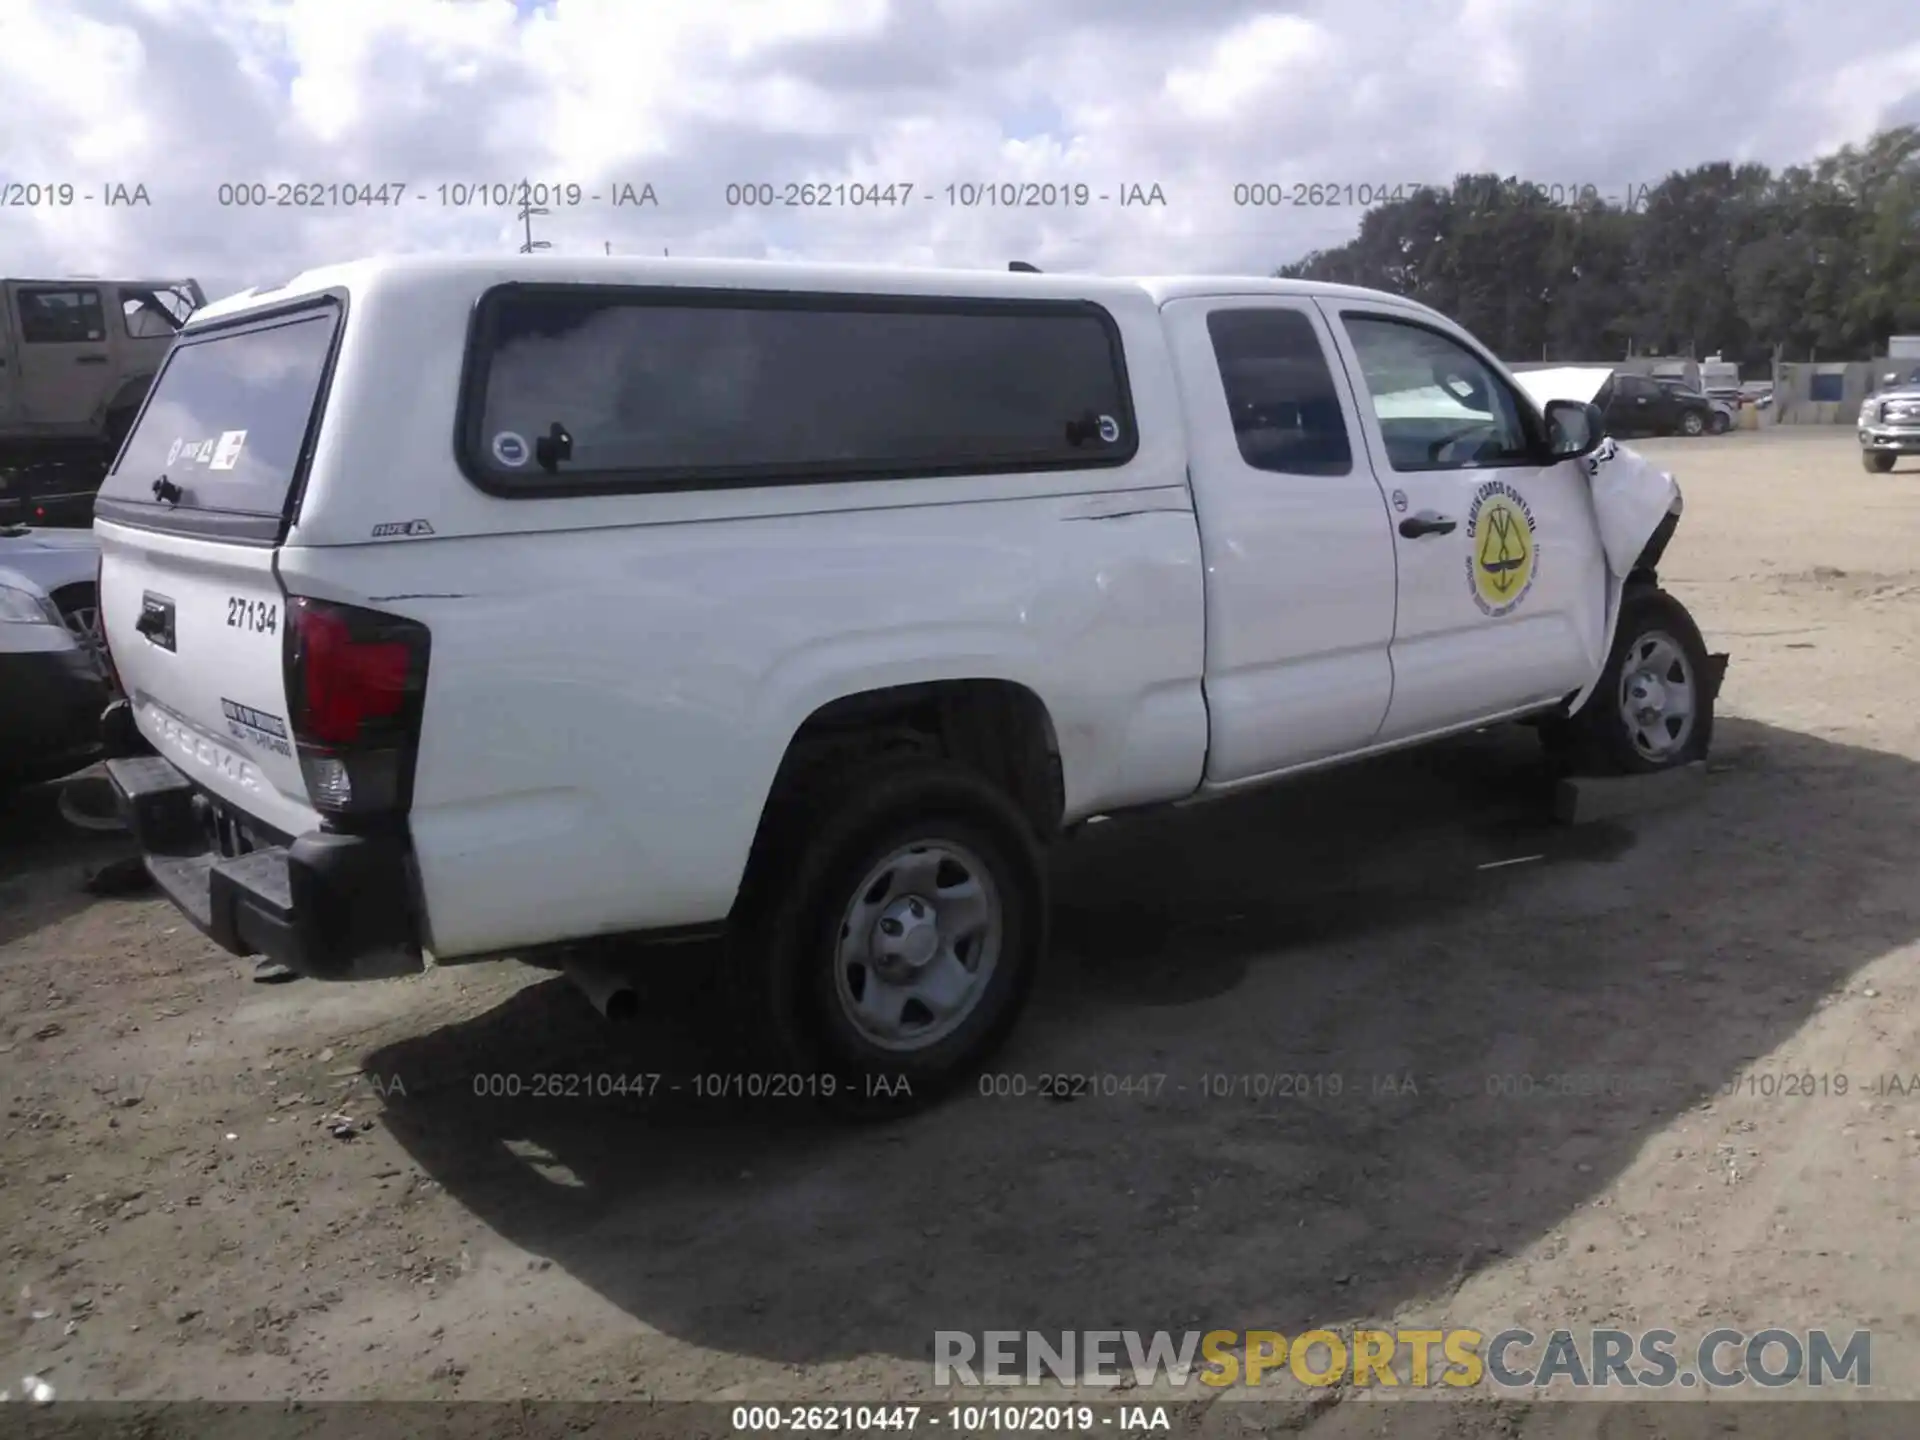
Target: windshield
228,418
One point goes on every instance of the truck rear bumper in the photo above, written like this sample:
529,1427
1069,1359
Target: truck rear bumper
325,905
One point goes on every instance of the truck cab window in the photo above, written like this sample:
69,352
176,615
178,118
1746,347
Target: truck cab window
1280,392
1439,406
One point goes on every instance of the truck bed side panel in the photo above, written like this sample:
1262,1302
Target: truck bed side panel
606,710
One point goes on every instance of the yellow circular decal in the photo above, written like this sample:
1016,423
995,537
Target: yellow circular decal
1502,556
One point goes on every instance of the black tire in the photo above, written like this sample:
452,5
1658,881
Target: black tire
1721,424
1877,462
1691,423
817,845
1598,740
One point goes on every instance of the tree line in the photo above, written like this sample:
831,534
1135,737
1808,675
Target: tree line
1816,262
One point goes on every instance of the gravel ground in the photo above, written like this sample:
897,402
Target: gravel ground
216,1189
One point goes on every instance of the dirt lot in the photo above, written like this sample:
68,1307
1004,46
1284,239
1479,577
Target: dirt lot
179,1218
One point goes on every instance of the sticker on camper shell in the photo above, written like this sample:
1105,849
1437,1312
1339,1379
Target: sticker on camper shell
510,449
226,451
1109,429
173,450
1501,554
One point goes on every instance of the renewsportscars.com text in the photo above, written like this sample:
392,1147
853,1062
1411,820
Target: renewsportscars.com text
1722,1359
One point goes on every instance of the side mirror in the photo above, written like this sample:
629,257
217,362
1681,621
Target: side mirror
1574,429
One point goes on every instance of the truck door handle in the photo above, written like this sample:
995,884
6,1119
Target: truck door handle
89,359
1426,523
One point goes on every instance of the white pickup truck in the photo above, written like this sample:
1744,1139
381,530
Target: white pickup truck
470,607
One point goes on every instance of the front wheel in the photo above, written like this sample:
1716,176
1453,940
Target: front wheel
892,926
79,606
1721,423
1877,462
1652,708
1691,423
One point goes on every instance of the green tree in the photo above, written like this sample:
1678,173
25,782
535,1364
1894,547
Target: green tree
1819,260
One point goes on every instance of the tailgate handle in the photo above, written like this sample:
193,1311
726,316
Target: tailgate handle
156,620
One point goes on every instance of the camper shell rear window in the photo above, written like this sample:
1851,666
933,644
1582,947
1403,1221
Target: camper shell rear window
584,389
222,441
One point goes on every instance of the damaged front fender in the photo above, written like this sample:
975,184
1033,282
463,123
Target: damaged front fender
1636,505
1637,508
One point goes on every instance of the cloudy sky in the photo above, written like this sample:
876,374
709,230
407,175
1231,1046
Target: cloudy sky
691,96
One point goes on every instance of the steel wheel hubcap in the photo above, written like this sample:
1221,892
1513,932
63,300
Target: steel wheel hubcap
917,945
1657,696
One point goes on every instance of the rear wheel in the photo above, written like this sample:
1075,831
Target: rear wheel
1652,708
889,932
1878,462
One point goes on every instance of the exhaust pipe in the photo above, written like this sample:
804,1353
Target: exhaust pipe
610,990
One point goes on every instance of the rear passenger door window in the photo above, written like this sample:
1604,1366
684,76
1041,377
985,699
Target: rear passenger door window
577,389
61,317
65,368
1280,392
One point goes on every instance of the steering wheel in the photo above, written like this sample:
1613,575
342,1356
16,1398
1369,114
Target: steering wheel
1433,450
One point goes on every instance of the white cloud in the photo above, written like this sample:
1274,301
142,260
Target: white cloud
692,95
1253,66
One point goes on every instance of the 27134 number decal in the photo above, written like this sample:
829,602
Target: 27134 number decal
260,616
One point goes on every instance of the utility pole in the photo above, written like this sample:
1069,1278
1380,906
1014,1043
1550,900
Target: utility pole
527,212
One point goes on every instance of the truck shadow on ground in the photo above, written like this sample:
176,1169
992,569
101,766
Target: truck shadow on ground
1322,1048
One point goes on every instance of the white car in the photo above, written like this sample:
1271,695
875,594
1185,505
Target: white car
52,690
64,563
490,606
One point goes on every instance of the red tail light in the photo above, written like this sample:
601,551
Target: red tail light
356,683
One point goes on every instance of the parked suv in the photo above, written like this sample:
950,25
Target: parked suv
76,358
1639,405
1890,421
1725,413
497,606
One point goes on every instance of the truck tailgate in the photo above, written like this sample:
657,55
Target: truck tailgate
196,632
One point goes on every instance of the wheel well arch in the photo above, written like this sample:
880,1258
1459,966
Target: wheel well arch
1000,728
